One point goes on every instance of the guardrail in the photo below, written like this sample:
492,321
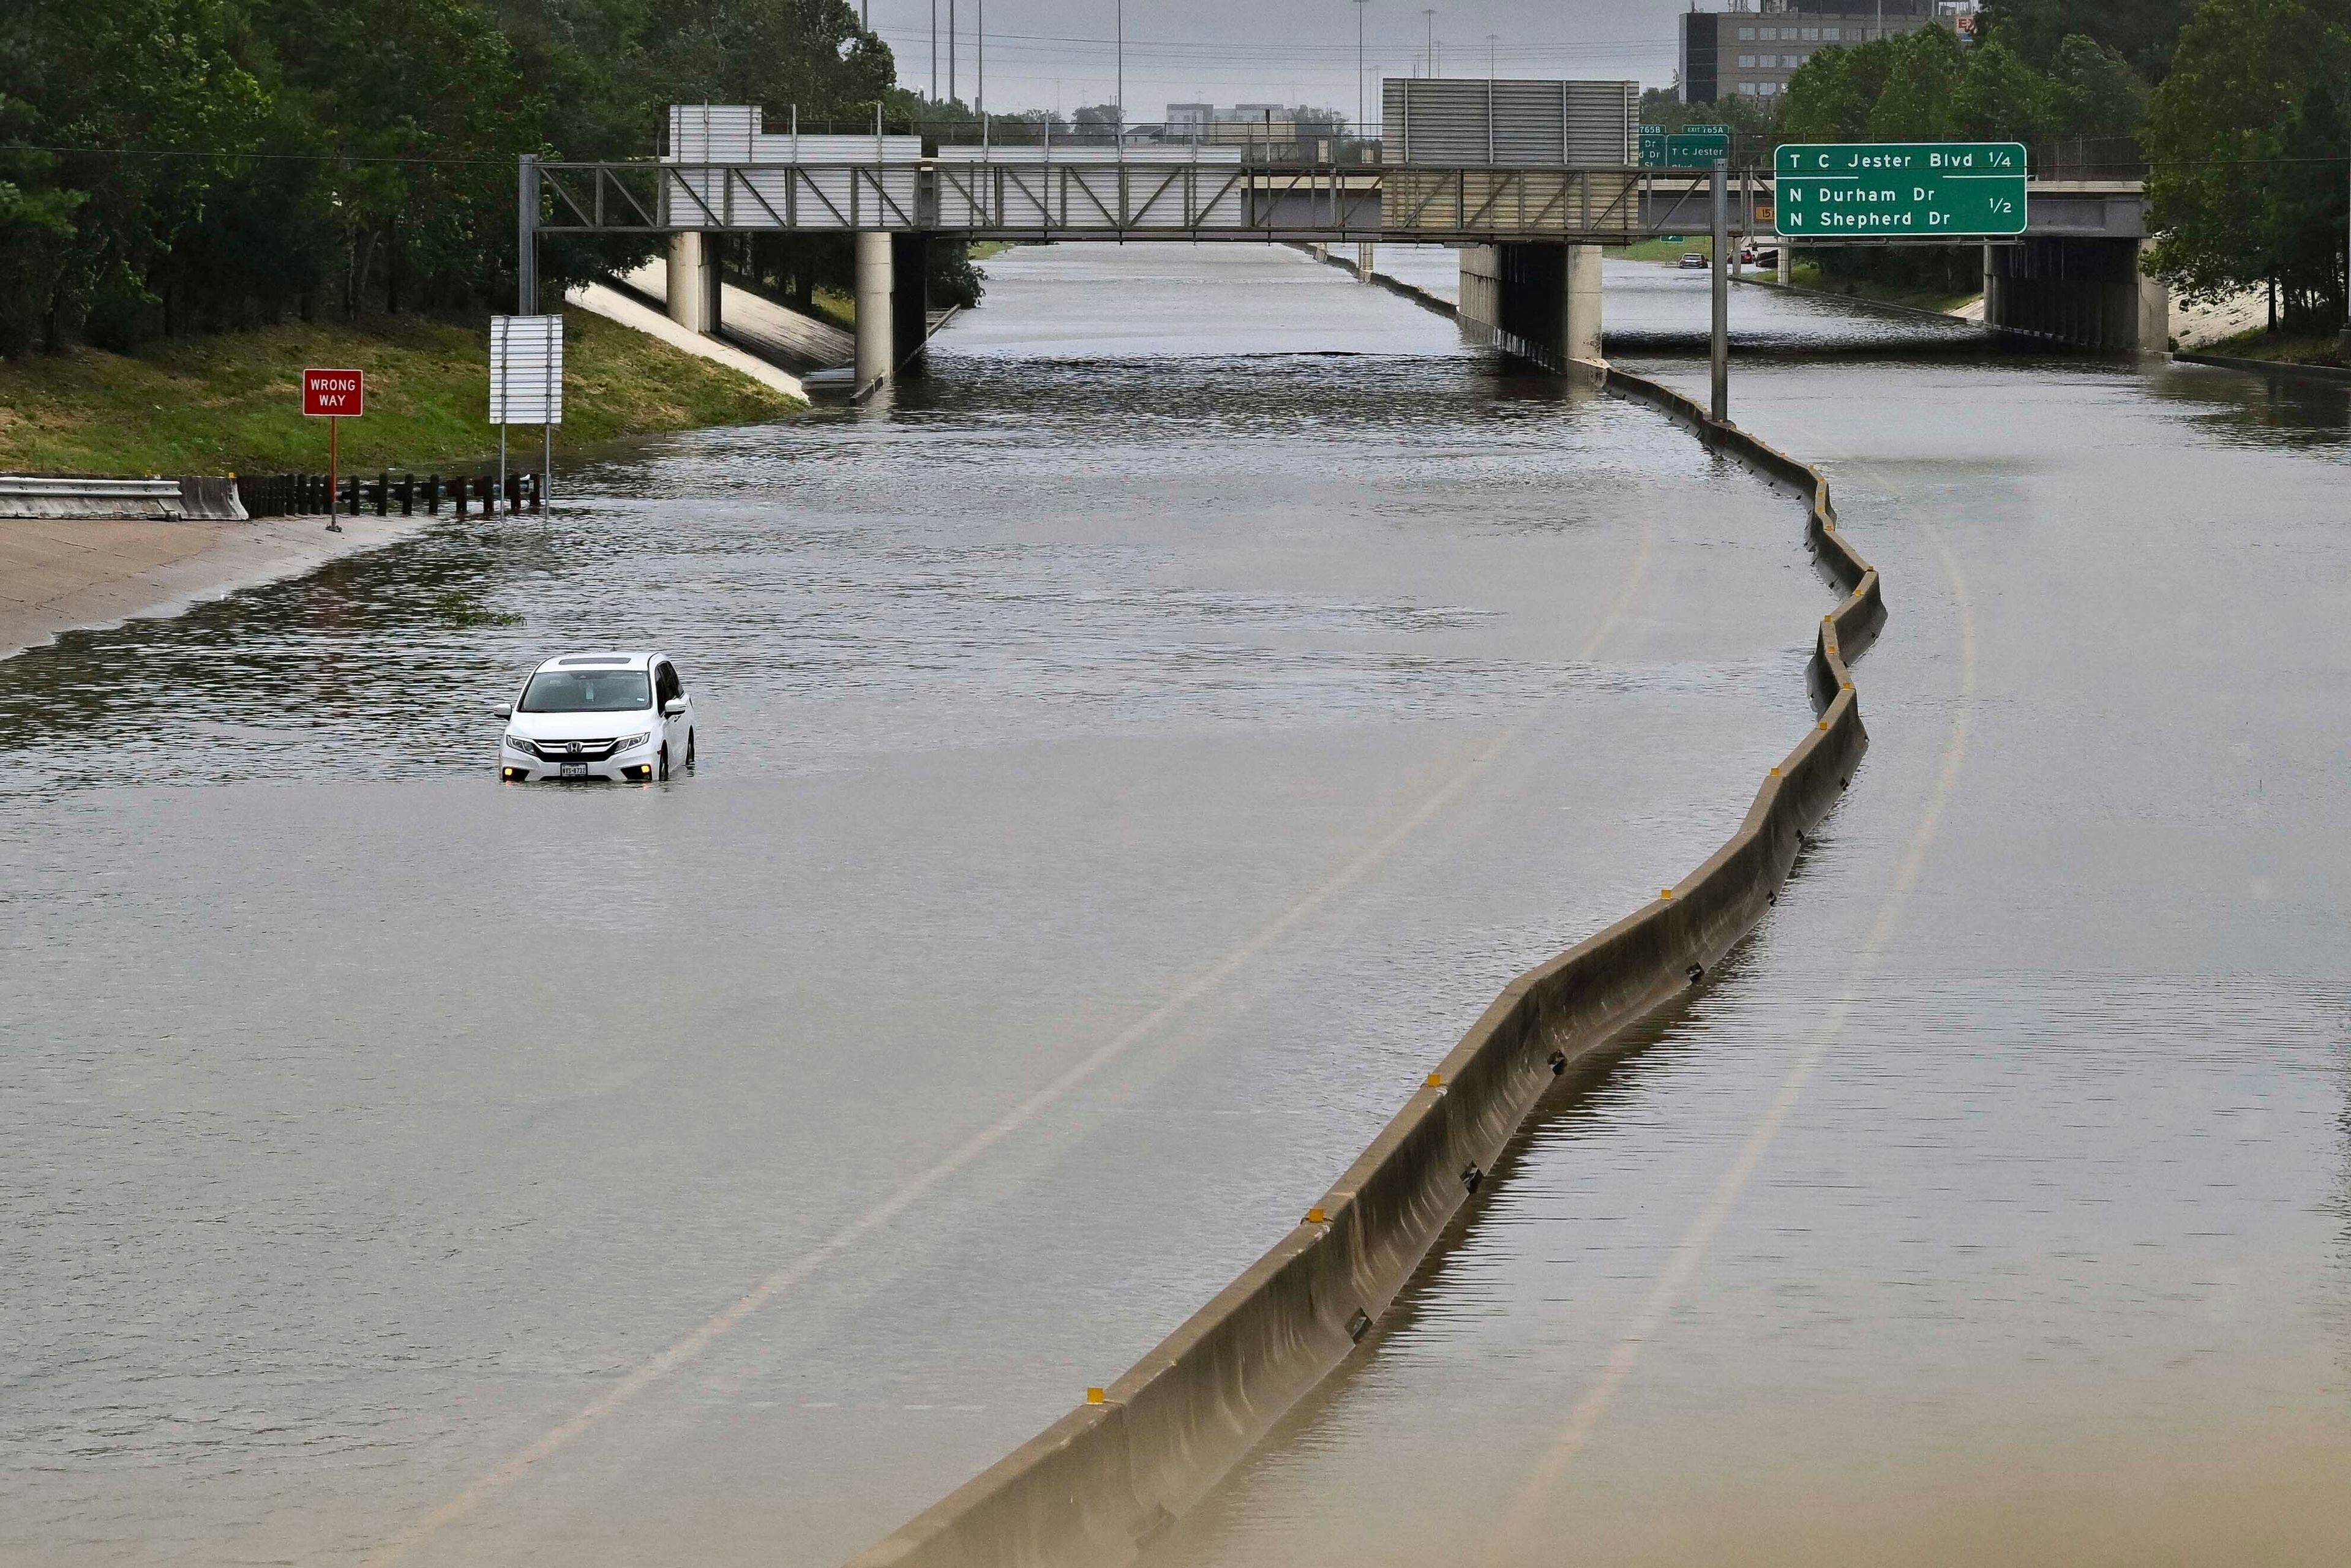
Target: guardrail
1097,1485
46,495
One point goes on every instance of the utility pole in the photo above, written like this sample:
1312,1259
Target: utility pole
1430,13
1489,57
935,51
951,53
1119,96
1360,88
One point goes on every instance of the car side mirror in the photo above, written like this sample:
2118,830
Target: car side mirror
674,708
503,710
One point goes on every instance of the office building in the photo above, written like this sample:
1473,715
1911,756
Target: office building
1750,50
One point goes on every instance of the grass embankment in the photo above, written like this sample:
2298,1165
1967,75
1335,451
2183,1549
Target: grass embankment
1807,274
2285,348
233,403
1666,250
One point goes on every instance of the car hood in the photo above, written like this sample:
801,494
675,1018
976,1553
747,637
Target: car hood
581,726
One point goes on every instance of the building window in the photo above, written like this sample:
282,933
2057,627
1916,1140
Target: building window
1811,32
1747,62
1829,35
1769,32
1747,89
1770,90
1746,35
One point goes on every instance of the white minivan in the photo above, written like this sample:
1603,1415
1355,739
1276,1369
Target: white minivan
626,718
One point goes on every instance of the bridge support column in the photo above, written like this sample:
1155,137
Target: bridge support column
2154,308
2089,293
1480,307
1537,301
910,302
876,336
1363,261
694,281
1788,261
1584,298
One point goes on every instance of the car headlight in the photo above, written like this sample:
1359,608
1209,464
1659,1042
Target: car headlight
517,743
631,742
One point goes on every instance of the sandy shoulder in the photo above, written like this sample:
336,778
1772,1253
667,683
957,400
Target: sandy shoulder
63,574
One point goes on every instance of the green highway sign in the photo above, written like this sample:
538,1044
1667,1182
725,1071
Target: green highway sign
1695,147
1900,190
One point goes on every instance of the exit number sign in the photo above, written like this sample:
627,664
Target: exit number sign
334,394
1900,190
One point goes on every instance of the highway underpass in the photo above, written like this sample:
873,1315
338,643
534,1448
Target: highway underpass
1102,826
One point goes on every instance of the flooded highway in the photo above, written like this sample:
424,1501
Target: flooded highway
1995,1205
1127,762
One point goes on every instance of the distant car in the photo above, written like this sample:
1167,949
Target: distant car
625,717
1692,259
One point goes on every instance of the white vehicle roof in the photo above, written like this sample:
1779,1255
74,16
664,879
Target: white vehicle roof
612,660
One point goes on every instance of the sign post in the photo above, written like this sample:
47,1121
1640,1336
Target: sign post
527,386
333,396
1899,190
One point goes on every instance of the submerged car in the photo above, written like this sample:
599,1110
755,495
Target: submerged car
626,718
1693,260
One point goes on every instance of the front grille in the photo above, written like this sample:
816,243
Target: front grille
574,751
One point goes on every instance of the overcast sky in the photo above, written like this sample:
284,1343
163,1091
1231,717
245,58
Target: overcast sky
1043,53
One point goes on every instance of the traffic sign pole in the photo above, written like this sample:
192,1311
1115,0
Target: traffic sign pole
1718,347
333,395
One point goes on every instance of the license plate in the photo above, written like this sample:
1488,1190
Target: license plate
575,770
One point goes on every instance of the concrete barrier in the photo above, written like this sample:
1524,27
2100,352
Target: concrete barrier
2267,367
212,500
1098,1485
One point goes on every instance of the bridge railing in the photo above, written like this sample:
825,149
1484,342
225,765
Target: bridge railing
1027,193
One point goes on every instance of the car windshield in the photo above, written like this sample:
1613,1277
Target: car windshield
586,691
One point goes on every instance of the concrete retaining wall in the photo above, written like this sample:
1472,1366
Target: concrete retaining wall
1098,1484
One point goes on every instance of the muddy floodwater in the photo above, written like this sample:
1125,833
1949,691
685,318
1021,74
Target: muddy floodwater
1995,1204
1131,758
1126,763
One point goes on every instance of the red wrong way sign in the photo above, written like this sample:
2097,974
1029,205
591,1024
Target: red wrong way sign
334,394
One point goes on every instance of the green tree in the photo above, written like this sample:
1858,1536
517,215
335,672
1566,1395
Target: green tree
2094,92
1922,77
1999,98
1832,94
2246,135
2141,33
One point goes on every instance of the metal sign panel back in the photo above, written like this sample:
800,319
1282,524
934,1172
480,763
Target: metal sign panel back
526,369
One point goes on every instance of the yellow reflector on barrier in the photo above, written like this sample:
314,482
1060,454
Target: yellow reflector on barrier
1315,1216
1437,1081
1093,1395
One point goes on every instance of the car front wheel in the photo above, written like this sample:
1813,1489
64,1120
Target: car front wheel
662,772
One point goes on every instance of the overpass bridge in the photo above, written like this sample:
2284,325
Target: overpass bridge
1531,236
